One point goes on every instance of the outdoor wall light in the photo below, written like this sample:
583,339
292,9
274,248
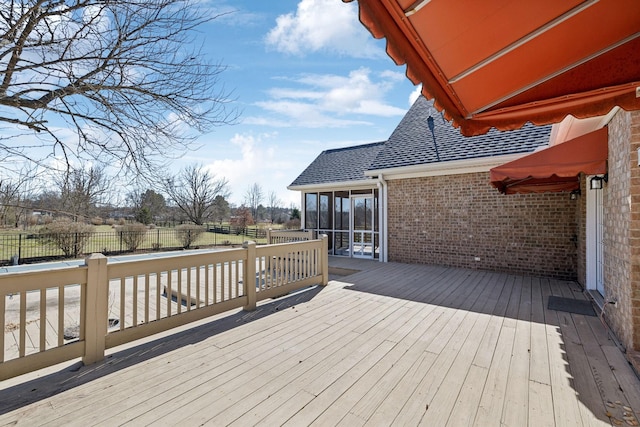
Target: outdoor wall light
574,194
596,182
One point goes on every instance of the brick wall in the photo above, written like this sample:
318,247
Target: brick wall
622,228
634,227
581,231
454,220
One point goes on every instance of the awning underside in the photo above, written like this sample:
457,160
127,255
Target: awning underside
556,168
500,64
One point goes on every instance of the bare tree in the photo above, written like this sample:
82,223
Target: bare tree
16,194
81,190
253,197
48,201
274,205
122,76
194,190
9,195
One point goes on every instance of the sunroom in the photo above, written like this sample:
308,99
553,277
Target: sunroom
340,201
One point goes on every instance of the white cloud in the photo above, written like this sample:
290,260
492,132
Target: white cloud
261,161
415,94
286,93
229,14
304,115
323,26
329,100
393,75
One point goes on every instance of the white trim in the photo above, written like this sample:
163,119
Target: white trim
416,7
382,219
352,231
590,231
454,167
593,235
606,119
363,184
303,209
571,128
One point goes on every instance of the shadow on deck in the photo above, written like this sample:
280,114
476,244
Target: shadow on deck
382,344
33,390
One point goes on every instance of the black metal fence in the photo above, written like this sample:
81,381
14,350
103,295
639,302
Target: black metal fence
33,247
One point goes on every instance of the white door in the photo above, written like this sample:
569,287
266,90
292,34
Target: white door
362,226
595,239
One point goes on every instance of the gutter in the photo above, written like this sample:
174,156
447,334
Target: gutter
382,218
303,210
452,167
331,186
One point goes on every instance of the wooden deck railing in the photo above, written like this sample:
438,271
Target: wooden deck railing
51,316
288,236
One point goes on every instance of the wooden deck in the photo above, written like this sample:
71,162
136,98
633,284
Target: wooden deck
392,344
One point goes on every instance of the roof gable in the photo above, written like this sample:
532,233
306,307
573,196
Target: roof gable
340,165
411,143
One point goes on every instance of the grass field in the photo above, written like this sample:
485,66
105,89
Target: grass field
29,247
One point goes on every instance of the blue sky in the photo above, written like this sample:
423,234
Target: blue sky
307,77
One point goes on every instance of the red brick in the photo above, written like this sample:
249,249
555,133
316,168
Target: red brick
456,218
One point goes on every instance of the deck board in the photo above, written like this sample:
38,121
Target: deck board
391,344
565,398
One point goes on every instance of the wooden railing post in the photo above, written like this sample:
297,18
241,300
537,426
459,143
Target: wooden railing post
324,259
249,275
95,321
268,236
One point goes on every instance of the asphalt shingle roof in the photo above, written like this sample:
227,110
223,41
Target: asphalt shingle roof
411,143
340,165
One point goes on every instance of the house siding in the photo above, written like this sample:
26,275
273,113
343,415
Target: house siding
455,219
622,229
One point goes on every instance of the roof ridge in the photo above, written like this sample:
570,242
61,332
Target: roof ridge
354,147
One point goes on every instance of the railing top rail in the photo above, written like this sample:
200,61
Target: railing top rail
278,247
23,281
287,232
176,261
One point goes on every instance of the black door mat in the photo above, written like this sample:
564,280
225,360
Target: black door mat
571,305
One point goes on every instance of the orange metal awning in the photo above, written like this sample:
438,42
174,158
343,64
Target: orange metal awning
496,63
556,168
